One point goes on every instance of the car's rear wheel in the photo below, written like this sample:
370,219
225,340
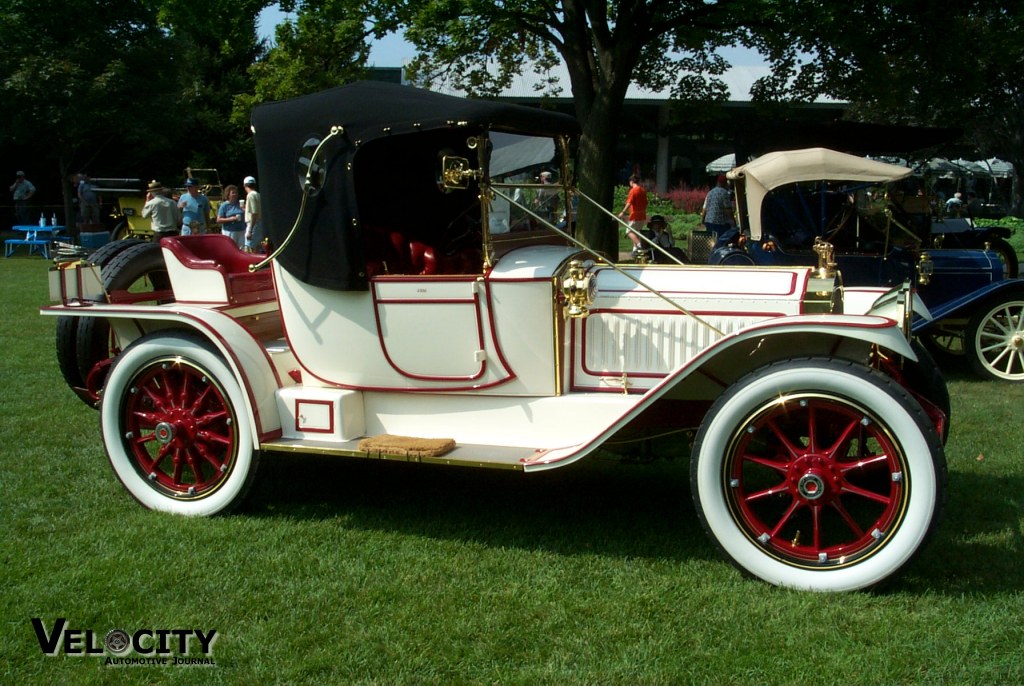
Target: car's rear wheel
995,339
121,231
67,351
175,427
945,341
736,258
124,231
818,474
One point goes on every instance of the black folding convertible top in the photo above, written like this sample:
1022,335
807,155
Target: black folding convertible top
383,165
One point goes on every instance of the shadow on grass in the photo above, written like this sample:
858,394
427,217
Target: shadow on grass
978,548
607,507
957,369
598,507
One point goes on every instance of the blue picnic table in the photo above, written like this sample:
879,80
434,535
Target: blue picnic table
37,238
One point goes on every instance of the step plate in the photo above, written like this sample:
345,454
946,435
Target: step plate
465,455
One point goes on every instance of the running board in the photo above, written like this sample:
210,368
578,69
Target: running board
465,455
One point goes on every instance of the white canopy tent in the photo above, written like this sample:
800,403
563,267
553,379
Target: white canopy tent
721,164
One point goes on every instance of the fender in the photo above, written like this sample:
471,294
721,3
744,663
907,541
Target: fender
994,232
962,307
960,225
739,353
876,301
755,346
246,356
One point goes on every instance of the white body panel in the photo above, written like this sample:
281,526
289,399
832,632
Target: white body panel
493,362
195,285
329,414
427,333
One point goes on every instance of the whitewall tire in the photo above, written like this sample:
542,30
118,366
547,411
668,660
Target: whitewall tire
175,427
818,474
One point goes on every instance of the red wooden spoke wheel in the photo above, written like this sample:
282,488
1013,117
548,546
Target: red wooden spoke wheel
175,426
180,429
819,474
815,481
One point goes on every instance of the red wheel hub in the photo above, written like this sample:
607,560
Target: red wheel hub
816,481
179,429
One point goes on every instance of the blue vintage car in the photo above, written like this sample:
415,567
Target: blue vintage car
875,220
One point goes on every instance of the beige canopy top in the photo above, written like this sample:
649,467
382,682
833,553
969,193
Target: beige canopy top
755,179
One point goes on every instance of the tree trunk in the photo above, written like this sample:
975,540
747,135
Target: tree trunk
68,195
596,174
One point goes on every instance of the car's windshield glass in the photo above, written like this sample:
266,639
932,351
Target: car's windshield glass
527,170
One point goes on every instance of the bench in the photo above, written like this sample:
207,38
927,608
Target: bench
11,244
211,269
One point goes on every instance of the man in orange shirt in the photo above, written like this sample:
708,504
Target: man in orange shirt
636,208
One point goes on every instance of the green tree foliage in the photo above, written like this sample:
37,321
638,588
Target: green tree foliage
939,63
480,46
137,87
216,43
74,74
324,46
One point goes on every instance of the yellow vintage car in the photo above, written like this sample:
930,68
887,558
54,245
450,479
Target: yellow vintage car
125,198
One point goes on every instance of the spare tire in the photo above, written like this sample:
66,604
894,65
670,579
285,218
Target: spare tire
138,269
67,327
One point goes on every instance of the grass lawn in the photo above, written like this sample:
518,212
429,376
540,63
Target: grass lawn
350,572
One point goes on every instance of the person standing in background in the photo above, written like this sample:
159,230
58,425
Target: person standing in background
716,215
253,215
21,190
195,209
636,213
162,212
231,216
88,202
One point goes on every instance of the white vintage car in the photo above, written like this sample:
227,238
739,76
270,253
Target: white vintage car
425,303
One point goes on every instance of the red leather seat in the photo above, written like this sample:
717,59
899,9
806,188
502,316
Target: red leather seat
218,253
210,251
422,258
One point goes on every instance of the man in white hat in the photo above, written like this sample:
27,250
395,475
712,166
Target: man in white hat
21,190
253,215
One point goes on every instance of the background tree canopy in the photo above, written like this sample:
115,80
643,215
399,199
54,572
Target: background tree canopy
147,87
940,63
124,87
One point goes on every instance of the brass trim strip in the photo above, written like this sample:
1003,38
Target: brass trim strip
332,451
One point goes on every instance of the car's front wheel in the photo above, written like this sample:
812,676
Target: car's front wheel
175,427
818,474
994,338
